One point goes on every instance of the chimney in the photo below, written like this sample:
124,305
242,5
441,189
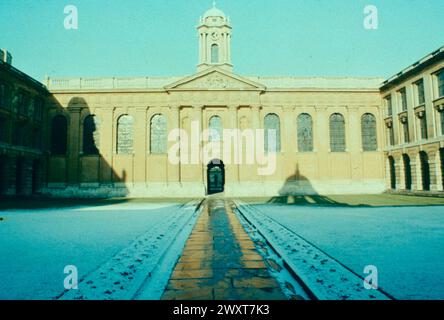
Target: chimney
6,56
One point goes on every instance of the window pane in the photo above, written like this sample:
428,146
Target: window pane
3,102
403,97
305,133
368,131
158,134
216,129
3,130
442,122
388,103
272,132
441,84
405,127
420,89
125,135
337,133
214,53
391,136
423,122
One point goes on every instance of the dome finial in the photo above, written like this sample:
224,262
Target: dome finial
214,4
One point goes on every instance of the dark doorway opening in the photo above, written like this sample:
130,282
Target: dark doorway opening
392,173
215,177
407,172
425,171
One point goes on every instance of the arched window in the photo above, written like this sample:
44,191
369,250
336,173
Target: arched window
368,132
305,133
216,128
158,134
125,135
272,133
59,135
91,137
214,53
337,133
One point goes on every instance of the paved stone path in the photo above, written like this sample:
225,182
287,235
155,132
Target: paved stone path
220,262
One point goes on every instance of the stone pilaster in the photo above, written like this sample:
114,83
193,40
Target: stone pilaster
173,169
140,144
73,145
108,134
433,167
289,136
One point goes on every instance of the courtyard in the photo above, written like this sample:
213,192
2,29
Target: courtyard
223,248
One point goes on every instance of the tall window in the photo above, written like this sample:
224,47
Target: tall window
125,135
440,78
337,133
214,53
21,103
388,104
420,91
3,130
59,135
405,129
391,136
403,97
305,133
423,125
38,108
272,132
216,129
91,136
441,115
368,132
158,134
3,102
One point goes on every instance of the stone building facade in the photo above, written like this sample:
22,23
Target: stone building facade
413,103
22,156
114,136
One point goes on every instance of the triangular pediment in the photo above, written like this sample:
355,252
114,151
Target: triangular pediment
215,79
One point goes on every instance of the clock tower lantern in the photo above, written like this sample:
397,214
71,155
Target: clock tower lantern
214,40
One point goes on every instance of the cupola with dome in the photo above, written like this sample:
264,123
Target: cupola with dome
214,40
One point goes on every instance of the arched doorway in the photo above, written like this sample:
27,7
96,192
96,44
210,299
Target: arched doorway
215,177
407,172
425,170
392,173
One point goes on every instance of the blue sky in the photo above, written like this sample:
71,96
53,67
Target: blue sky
271,38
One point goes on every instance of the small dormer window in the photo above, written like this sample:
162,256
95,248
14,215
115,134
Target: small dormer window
214,53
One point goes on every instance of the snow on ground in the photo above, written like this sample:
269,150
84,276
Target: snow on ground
36,245
406,244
